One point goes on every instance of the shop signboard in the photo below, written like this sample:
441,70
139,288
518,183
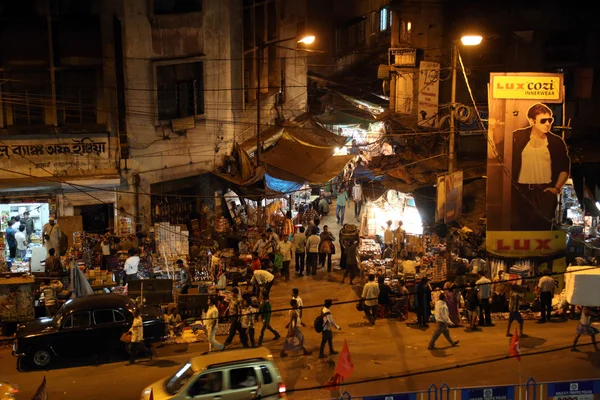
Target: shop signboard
491,393
527,165
65,155
583,390
429,94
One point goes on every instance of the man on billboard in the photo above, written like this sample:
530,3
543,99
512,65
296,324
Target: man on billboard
540,168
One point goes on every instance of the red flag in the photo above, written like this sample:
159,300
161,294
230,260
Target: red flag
334,382
515,348
344,366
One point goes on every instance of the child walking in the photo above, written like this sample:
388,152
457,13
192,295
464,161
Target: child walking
584,327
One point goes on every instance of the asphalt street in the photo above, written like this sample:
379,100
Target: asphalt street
390,349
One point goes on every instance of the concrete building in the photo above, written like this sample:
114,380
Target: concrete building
152,93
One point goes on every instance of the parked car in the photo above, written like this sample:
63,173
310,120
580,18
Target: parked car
230,375
85,326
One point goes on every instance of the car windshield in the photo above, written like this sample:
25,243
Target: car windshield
177,382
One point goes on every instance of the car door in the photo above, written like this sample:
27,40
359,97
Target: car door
205,386
109,325
242,383
73,337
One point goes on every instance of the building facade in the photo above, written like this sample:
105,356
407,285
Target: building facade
114,101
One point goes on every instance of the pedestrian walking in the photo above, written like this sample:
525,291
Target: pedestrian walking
296,296
284,248
357,198
340,206
370,296
351,247
485,295
212,323
584,327
443,321
326,333
545,291
513,309
326,248
294,340
265,314
249,318
299,245
137,345
235,314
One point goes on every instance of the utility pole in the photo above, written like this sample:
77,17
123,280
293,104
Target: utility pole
452,139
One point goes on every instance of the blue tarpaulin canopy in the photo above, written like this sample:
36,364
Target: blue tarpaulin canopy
280,185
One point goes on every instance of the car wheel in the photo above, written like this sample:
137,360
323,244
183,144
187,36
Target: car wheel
42,358
21,364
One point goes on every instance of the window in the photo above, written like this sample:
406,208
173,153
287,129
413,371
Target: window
211,382
118,315
76,97
179,379
373,23
25,98
405,31
102,317
180,90
385,20
77,320
242,378
266,375
176,6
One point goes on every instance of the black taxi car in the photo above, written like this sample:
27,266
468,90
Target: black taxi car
83,327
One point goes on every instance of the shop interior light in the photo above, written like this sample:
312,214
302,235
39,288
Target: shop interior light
471,40
598,205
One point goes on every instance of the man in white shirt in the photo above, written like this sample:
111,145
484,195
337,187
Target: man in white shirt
326,333
485,294
131,266
545,291
263,247
212,322
295,296
370,296
137,338
262,281
388,236
21,239
285,249
442,318
357,198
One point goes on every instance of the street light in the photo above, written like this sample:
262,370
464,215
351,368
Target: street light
466,40
307,39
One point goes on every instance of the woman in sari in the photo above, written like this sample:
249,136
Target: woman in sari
295,339
452,300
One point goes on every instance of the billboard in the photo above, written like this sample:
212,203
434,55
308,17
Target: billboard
527,165
449,196
429,94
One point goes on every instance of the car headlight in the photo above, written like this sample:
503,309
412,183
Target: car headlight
146,394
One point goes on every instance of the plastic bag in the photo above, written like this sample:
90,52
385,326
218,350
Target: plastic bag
278,262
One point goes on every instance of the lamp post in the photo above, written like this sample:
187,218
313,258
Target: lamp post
261,47
468,40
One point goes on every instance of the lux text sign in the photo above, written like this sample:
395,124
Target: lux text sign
544,88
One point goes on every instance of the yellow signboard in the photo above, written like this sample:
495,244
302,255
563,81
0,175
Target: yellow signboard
525,243
547,88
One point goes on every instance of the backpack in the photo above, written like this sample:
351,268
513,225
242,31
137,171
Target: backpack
319,323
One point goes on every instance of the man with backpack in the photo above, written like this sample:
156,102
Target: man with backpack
323,324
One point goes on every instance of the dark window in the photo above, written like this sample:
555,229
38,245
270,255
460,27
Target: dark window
25,97
266,375
102,317
180,90
241,378
211,382
177,6
76,97
78,320
119,317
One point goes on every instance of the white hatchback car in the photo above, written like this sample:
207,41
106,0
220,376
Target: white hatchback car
229,375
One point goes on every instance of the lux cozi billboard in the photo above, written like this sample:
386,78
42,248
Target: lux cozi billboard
527,166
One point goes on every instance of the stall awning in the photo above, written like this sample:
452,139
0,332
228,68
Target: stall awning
307,156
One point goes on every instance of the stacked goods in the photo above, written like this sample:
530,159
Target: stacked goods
221,224
2,249
582,286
